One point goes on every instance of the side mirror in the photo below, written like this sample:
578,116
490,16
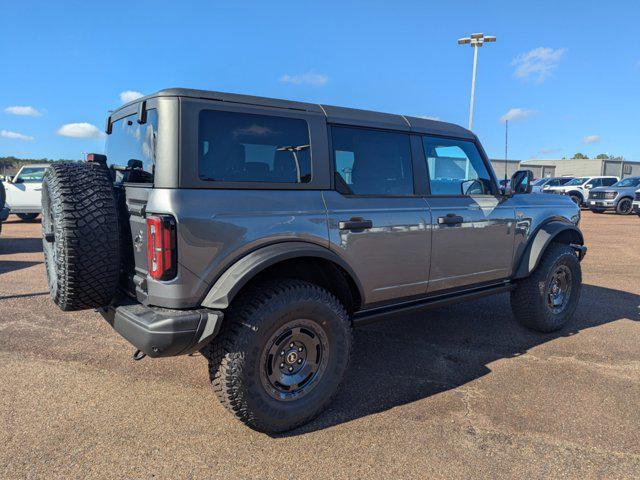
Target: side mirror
521,182
471,187
588,185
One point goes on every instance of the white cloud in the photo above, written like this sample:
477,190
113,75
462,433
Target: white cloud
537,64
591,139
516,114
129,96
309,78
24,110
14,135
80,130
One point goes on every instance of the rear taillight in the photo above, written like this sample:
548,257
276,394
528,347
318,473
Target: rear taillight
161,246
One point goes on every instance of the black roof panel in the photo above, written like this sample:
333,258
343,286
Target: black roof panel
341,115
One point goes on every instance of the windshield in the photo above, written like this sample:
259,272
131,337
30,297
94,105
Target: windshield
540,181
628,182
577,181
129,140
30,175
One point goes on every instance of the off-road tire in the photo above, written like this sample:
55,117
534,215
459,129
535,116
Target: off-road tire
80,235
27,217
236,355
624,206
528,299
3,195
597,210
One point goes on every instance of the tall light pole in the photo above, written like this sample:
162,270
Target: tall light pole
476,40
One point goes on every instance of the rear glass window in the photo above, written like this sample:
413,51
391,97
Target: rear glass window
243,147
130,140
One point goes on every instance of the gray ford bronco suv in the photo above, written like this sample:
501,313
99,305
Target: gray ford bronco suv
259,232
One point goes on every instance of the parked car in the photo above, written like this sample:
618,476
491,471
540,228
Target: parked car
545,183
578,188
4,210
24,191
636,202
260,232
618,197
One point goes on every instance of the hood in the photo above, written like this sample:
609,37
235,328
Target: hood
623,190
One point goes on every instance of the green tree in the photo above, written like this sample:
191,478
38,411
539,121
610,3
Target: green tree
580,156
602,156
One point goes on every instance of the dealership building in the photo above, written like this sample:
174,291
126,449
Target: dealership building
569,167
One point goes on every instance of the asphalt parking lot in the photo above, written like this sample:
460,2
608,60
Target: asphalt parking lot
459,392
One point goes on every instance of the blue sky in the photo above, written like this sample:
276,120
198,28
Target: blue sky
571,69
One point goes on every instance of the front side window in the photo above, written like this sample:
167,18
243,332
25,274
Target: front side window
372,162
130,140
243,147
455,167
30,175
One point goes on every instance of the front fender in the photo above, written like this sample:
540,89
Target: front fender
539,242
243,270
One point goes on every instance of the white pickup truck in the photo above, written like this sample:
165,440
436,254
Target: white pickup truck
23,191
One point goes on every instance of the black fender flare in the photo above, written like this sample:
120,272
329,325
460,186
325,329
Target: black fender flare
243,270
577,193
539,242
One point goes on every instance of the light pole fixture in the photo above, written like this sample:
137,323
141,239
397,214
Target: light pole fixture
476,40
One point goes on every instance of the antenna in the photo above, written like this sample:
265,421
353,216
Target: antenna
506,147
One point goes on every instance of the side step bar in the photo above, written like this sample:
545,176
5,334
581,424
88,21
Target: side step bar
375,315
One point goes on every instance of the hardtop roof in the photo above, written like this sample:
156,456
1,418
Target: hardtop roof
338,115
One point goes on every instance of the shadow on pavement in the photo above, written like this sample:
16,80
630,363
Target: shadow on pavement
7,266
403,360
24,295
13,245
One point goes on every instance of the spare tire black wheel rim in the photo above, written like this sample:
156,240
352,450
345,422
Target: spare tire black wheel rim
294,360
559,289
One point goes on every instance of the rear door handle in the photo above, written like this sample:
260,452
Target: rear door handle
450,219
355,223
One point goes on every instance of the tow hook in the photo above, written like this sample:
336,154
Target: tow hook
138,355
581,250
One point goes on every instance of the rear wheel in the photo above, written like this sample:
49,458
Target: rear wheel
624,207
80,235
281,355
27,217
547,299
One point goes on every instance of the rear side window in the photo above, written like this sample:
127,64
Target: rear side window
372,162
455,167
130,140
243,147
607,182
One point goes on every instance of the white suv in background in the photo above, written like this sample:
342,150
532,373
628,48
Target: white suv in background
24,191
578,188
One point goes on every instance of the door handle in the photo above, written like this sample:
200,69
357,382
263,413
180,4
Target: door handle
355,223
450,219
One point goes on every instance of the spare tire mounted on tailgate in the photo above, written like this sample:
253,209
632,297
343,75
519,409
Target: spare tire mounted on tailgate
80,235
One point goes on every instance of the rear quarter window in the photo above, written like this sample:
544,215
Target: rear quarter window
244,147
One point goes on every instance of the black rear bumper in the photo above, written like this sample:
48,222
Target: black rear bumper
162,332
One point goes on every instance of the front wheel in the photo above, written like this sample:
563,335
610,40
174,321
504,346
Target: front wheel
577,199
624,207
27,217
547,299
282,353
597,211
